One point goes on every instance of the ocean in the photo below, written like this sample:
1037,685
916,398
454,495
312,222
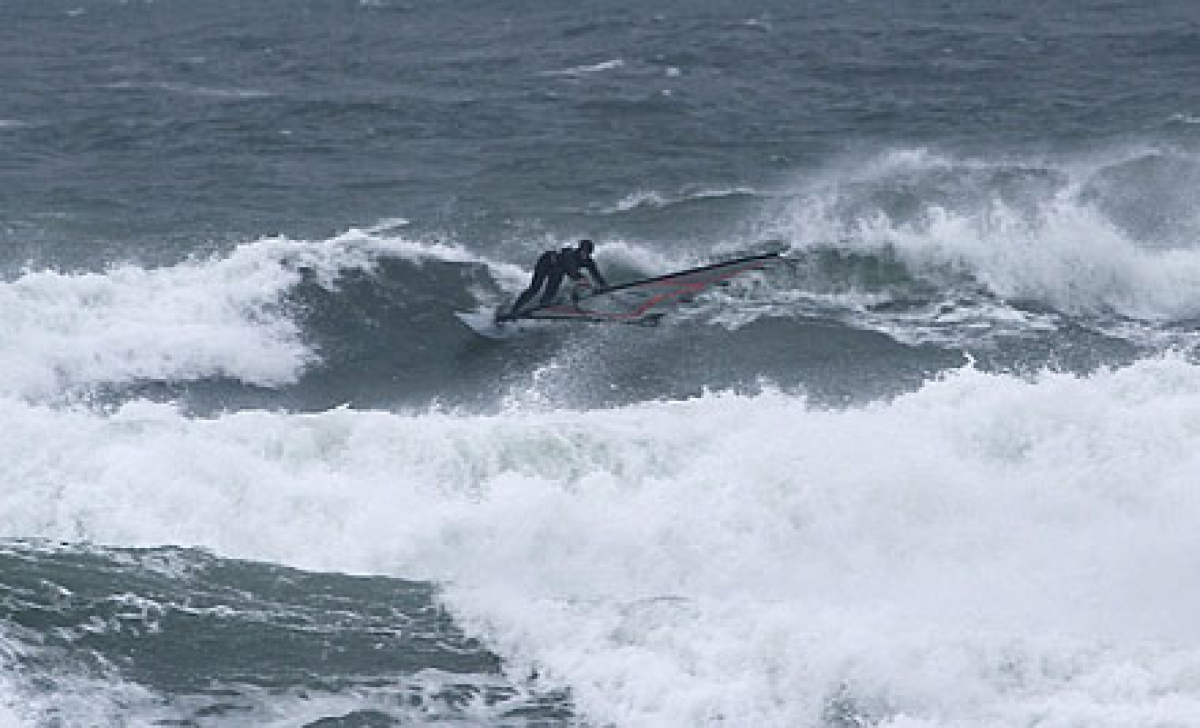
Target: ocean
939,467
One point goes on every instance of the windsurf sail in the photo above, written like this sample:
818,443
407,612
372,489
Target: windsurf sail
645,301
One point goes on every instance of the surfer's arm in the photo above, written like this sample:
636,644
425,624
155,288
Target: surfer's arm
595,271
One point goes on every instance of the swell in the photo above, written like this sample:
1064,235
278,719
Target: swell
901,262
367,318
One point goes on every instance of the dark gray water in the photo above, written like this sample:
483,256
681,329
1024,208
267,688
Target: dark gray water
233,237
237,643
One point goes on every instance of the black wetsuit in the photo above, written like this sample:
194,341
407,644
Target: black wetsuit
550,269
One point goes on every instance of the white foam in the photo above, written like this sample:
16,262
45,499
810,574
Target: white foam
584,70
1071,258
635,200
1064,252
221,316
650,199
71,698
987,551
14,709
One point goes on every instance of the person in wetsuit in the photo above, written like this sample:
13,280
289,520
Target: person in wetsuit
549,271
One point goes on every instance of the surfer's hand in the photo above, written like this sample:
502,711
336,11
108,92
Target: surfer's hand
582,289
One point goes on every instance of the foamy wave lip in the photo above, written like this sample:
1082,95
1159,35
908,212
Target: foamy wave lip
635,200
739,560
657,200
1061,251
507,275
219,317
1071,258
610,65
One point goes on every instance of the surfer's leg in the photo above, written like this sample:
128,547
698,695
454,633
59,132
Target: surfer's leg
539,277
552,284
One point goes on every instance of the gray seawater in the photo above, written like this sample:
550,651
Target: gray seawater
173,636
233,237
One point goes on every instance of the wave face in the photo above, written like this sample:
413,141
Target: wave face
896,266
1112,237
934,468
101,636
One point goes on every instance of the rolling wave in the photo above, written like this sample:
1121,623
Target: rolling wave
230,316
1054,235
675,562
1057,244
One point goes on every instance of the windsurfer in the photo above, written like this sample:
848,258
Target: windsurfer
549,271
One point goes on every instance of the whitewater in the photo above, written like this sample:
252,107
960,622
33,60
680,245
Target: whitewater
1013,550
993,546
935,468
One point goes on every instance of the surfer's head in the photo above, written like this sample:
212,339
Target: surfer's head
586,247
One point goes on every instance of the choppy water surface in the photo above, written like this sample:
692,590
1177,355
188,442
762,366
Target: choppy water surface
936,468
